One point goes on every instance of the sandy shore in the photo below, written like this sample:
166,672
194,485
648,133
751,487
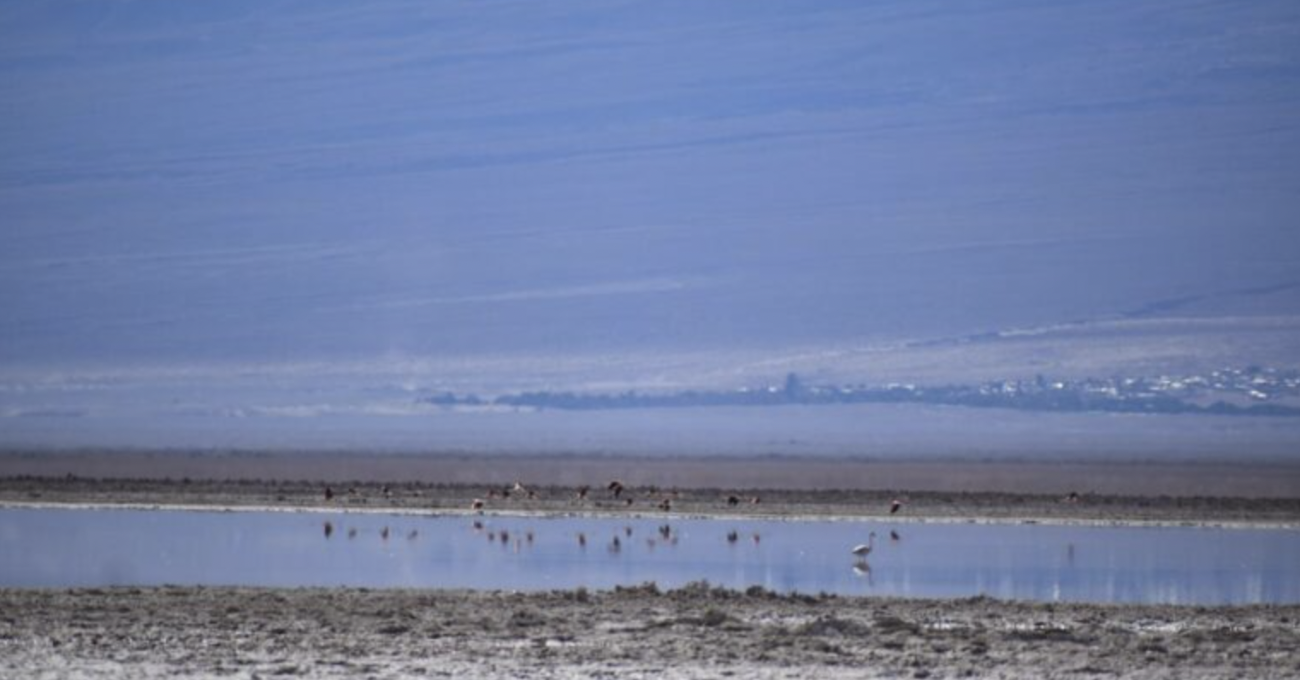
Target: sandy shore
694,632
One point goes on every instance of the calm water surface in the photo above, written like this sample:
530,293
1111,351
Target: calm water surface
48,547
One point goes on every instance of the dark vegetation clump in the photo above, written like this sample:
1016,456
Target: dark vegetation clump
713,617
702,590
649,588
833,625
526,618
579,594
892,624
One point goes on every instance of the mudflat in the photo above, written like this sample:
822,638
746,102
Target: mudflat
1105,492
640,632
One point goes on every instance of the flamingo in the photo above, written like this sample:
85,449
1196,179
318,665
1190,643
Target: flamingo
865,549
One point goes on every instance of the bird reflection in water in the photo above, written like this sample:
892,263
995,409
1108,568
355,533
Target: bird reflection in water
863,570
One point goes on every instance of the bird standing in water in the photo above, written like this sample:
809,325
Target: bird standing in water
865,549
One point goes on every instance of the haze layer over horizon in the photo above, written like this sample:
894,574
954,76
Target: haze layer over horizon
300,206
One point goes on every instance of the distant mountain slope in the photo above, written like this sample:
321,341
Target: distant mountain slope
298,181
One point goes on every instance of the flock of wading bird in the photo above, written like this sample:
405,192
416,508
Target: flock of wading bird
618,492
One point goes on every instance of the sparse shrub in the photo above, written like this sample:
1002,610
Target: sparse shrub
524,618
648,588
713,617
832,625
891,623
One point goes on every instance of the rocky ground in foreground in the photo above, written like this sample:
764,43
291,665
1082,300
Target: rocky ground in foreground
652,500
693,632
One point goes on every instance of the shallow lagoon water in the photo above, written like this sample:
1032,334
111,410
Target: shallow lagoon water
1180,565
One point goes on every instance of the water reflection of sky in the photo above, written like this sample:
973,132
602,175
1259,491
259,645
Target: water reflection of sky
1038,562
